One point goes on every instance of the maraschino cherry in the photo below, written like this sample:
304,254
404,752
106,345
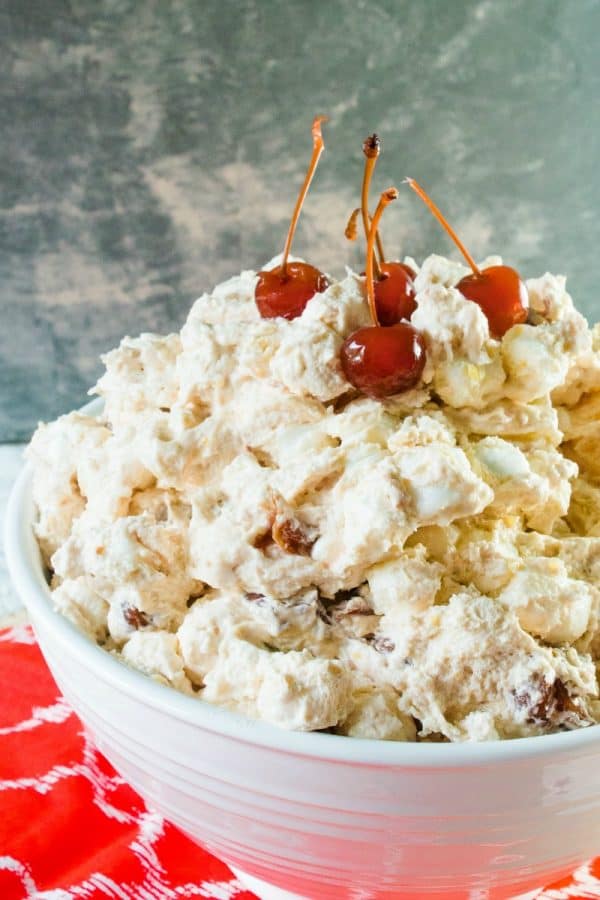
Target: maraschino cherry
285,290
382,360
498,290
394,288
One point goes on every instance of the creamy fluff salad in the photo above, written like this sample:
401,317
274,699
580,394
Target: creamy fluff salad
241,524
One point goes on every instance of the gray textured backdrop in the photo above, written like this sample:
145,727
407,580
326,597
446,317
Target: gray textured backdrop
151,148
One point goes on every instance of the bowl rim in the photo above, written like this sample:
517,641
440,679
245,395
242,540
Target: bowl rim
25,568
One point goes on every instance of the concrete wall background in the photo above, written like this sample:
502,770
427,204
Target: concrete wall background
149,149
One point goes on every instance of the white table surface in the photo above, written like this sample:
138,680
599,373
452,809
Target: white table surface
11,460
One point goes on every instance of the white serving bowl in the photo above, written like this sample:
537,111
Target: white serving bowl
318,815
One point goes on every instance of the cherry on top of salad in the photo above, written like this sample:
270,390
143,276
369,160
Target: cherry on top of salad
394,287
382,360
285,290
497,290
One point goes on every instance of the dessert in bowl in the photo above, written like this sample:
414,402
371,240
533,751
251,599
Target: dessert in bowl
290,512
313,815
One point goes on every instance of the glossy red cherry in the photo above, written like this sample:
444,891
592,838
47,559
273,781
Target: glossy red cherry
394,289
498,290
500,293
382,360
395,293
287,295
285,290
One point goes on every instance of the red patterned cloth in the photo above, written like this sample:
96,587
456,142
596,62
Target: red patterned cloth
69,825
71,828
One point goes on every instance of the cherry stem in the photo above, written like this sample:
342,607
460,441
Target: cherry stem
351,233
380,248
416,187
386,197
318,147
371,148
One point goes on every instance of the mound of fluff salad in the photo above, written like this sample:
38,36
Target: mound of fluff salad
239,523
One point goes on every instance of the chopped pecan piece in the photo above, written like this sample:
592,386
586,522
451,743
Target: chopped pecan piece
254,597
291,537
136,618
553,702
